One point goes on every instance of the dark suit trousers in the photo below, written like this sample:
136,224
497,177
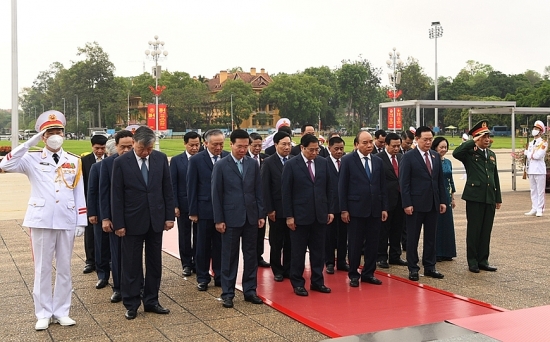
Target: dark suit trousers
480,218
116,265
209,246
260,243
313,237
231,241
363,235
132,269
102,253
187,240
336,239
89,244
414,226
391,234
279,241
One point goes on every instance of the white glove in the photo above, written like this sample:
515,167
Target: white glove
79,231
35,139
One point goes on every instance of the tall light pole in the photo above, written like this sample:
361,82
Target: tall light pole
156,47
64,106
395,78
232,113
14,78
77,131
436,31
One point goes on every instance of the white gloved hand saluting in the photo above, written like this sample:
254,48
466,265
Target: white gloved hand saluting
79,231
35,139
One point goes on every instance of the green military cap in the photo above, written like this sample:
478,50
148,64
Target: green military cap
481,128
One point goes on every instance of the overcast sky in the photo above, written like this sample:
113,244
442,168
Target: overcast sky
204,37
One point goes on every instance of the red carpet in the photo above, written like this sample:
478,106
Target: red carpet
348,311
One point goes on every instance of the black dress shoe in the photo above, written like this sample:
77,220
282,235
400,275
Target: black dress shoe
330,269
371,280
254,299
300,291
399,262
202,286
130,314
116,297
343,268
187,271
158,309
383,264
278,278
89,268
101,283
354,283
474,269
433,274
487,268
413,276
319,288
228,303
263,263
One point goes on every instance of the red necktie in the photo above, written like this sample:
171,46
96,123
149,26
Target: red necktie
428,165
338,163
394,164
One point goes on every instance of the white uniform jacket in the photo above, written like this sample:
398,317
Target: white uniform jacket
535,154
54,203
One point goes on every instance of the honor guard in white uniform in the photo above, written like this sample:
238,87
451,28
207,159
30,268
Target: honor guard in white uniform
536,169
56,212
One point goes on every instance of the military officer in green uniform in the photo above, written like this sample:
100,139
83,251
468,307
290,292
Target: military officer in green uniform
481,193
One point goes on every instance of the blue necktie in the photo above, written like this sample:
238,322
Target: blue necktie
284,160
215,159
240,166
367,167
144,170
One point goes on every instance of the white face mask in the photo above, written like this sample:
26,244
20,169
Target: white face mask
54,142
535,132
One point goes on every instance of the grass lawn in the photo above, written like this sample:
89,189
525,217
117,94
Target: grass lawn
173,147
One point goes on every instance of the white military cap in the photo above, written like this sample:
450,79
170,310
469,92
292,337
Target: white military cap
50,119
282,122
540,125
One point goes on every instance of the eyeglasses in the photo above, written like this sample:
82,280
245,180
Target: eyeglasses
312,149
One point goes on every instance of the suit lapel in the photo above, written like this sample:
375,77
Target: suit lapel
303,166
135,167
359,164
208,161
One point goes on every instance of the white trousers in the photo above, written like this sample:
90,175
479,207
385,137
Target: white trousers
538,185
47,244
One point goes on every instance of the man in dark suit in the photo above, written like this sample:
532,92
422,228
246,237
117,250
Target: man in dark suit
271,149
308,209
279,234
143,208
199,196
238,213
379,141
98,150
101,238
123,143
390,233
309,129
255,152
481,193
187,230
337,233
364,205
407,139
423,199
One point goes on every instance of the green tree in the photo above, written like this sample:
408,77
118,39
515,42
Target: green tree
330,103
245,100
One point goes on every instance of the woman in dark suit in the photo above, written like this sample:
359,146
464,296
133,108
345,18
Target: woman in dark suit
445,238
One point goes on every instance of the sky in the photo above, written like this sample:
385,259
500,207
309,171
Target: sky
204,37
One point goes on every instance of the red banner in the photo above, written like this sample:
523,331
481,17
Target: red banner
395,122
394,95
163,117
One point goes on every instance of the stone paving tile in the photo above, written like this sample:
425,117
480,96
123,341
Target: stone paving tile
249,334
180,332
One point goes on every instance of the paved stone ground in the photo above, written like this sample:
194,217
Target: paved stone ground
519,250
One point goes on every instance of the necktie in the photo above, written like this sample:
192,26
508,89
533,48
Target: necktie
427,160
240,166
144,170
55,158
338,164
367,168
284,160
310,170
394,164
215,159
